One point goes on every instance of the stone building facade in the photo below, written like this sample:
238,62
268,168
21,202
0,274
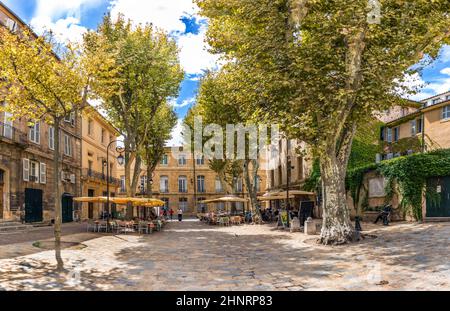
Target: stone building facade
27,179
174,178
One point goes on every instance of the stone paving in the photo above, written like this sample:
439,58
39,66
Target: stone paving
193,256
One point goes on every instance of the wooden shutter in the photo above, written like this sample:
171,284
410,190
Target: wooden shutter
43,173
26,170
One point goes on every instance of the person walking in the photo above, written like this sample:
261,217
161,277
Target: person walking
171,212
180,215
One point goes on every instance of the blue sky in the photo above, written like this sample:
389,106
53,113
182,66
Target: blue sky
70,18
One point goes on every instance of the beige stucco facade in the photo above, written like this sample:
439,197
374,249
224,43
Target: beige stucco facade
97,134
429,124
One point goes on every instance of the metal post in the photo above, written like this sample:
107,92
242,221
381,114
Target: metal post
107,181
288,204
195,181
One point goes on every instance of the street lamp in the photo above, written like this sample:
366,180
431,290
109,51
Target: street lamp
289,167
120,161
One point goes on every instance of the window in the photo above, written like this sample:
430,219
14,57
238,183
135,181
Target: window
447,97
35,133
51,138
201,184
164,184
436,101
26,169
90,127
34,171
122,184
67,145
182,184
201,161
70,118
182,160
183,204
446,112
103,136
389,135
413,127
43,175
419,125
396,134
377,187
300,168
11,24
258,183
8,126
219,187
239,185
143,185
165,160
272,178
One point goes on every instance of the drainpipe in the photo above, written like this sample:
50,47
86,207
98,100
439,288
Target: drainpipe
423,133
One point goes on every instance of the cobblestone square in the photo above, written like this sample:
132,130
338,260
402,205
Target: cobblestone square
192,256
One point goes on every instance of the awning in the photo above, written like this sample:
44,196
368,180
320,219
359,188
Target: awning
297,192
231,199
275,197
91,199
147,202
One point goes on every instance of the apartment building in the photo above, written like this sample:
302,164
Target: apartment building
27,178
182,182
97,135
295,163
424,129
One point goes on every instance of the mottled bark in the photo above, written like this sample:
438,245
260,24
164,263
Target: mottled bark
337,227
250,176
58,203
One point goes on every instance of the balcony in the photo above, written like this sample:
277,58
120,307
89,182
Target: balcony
10,134
100,177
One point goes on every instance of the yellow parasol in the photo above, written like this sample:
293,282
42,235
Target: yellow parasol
231,199
91,199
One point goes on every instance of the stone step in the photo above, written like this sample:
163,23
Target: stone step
437,219
12,226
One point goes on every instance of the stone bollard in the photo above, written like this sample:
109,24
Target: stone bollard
310,227
295,225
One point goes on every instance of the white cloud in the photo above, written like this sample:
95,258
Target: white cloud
177,138
446,71
64,30
165,14
185,103
162,13
62,18
194,55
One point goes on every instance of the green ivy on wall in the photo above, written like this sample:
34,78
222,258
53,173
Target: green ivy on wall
411,174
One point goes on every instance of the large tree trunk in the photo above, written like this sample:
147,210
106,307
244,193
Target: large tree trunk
337,227
252,186
58,203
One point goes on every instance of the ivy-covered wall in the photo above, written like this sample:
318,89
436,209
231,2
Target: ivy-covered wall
409,173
